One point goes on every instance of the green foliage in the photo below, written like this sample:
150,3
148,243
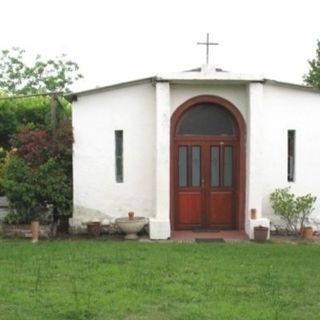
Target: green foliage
313,76
22,188
42,76
14,217
18,113
30,191
55,186
38,173
3,155
31,112
294,211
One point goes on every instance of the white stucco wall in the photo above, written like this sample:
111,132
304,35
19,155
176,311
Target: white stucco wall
235,93
96,116
290,109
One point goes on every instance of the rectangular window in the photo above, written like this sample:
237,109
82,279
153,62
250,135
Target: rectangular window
183,166
228,174
119,155
215,166
196,166
291,155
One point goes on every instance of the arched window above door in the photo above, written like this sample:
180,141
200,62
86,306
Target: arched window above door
206,119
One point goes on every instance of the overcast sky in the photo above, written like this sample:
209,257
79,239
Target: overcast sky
119,40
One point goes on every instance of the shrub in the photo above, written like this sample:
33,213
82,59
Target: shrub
21,188
55,185
29,111
3,155
33,191
17,113
38,173
294,211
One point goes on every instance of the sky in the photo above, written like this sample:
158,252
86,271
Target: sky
121,40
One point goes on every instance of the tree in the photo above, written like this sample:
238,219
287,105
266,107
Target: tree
313,77
43,76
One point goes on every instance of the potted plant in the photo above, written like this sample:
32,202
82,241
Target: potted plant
294,211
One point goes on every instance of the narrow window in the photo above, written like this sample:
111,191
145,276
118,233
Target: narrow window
215,166
183,166
227,176
196,164
119,155
291,155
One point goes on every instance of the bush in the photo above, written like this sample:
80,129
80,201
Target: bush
294,211
32,192
38,173
17,113
55,185
21,188
25,112
3,155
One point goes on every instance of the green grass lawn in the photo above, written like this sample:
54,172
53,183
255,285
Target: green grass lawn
70,279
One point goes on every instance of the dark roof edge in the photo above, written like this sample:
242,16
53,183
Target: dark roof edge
74,96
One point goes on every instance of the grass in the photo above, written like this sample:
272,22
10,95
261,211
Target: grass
70,279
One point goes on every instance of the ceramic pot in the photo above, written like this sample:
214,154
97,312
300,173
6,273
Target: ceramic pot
253,214
131,226
307,233
260,234
94,228
35,231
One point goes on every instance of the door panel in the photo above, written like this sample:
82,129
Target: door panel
190,206
189,192
220,209
204,184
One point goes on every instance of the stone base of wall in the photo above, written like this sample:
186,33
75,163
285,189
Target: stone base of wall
80,227
24,231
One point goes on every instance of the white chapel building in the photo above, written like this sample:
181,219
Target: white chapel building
194,150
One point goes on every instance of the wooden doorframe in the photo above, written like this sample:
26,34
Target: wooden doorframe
240,166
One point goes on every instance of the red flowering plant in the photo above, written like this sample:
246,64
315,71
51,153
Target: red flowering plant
38,174
32,145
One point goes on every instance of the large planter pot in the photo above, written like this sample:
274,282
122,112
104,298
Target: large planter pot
35,231
131,226
94,228
307,233
260,234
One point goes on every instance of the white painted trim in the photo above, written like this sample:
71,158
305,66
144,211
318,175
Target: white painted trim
162,146
254,150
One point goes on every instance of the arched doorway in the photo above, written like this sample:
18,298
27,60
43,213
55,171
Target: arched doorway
207,165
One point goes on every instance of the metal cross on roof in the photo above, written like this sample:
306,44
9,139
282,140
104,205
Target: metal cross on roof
207,44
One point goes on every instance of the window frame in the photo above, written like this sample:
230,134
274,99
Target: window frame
291,155
118,135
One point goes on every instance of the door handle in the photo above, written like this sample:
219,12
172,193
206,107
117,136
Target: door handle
202,182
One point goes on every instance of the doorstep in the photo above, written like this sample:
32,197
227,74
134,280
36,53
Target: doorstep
209,236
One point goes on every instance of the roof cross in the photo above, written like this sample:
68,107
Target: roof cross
207,44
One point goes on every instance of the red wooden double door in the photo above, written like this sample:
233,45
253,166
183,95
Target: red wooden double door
205,163
205,188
